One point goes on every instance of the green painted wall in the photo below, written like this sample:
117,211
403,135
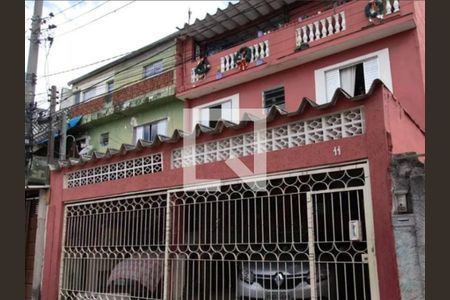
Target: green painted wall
165,52
121,130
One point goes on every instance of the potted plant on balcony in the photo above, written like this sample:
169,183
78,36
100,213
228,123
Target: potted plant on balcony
243,57
301,47
202,67
374,9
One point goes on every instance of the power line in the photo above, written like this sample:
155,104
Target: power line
167,59
61,11
201,31
70,20
127,68
115,10
139,71
84,66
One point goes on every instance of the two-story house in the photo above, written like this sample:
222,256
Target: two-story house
280,182
129,99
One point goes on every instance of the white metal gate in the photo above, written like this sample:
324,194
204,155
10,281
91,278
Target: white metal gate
307,235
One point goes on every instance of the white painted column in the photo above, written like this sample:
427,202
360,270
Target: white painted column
324,27
330,25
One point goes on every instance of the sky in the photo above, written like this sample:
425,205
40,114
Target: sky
91,31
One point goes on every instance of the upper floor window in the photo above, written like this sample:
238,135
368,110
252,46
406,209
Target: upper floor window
153,69
354,76
104,139
89,93
273,97
225,109
109,86
109,90
149,131
76,97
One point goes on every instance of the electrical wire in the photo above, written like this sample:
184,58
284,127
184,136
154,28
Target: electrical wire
101,17
70,7
70,20
119,72
139,71
84,66
168,60
130,83
47,84
250,8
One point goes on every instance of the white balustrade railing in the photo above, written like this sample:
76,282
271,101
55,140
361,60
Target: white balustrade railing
258,51
333,24
321,28
391,8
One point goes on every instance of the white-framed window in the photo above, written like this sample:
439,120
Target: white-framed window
89,93
149,131
355,75
226,109
153,69
273,97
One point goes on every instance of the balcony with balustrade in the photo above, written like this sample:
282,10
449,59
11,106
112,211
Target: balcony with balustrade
300,40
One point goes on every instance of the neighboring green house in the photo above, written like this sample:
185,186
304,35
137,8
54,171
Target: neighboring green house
126,100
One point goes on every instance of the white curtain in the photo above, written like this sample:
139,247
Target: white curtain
348,76
162,127
139,133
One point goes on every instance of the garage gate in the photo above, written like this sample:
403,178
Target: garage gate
304,235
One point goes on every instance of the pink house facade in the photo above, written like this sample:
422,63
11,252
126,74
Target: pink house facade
176,219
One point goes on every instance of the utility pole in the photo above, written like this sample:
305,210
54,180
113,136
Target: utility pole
51,134
62,140
30,76
30,82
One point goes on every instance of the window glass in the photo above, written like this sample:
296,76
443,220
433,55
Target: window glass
110,86
149,131
162,127
77,97
274,97
153,69
355,79
104,139
89,93
355,76
211,114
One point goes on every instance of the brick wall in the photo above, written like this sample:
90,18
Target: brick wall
140,88
127,93
88,107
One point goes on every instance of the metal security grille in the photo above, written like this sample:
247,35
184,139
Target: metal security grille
325,128
114,248
124,169
299,236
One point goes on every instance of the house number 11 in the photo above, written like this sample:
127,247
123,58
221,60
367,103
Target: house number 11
337,151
